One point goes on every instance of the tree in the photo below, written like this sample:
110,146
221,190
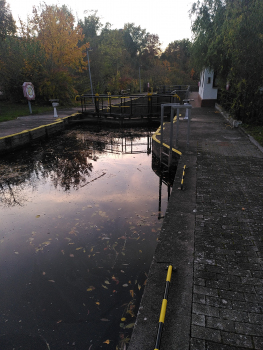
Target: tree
53,28
228,38
7,23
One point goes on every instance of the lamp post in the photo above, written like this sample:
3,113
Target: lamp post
90,75
140,78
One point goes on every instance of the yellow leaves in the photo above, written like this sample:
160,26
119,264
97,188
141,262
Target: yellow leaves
90,288
104,286
131,325
132,293
97,303
106,341
123,319
38,216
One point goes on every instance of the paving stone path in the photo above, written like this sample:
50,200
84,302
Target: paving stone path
227,309
213,234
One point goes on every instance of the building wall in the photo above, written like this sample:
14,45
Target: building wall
207,90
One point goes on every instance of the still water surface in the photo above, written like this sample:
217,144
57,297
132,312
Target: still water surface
79,222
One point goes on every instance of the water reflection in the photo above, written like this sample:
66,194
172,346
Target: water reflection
79,223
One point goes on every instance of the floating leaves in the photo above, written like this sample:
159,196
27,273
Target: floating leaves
131,325
91,288
106,341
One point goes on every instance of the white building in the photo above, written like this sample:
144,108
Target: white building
207,88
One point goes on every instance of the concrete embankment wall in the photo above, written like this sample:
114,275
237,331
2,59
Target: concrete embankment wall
25,137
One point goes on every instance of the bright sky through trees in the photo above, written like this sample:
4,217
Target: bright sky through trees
170,19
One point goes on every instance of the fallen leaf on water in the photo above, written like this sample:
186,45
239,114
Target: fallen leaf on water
51,281
106,341
115,279
125,285
131,325
97,303
104,320
139,286
79,248
16,253
90,288
132,293
59,321
107,282
140,251
43,273
71,255
123,319
104,286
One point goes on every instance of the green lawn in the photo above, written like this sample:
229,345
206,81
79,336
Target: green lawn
10,111
255,131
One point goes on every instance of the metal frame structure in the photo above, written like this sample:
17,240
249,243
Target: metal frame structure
177,107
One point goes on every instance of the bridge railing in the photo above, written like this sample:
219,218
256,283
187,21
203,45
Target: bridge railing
128,105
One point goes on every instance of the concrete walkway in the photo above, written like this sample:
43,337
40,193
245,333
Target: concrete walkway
33,121
212,234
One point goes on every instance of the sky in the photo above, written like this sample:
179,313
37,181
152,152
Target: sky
170,19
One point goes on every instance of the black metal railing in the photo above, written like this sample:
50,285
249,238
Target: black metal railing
125,105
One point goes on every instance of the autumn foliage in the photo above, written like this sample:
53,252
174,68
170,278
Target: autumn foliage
50,50
58,38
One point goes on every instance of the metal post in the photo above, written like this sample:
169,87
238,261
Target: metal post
140,78
90,77
161,147
177,125
163,308
188,126
171,138
29,105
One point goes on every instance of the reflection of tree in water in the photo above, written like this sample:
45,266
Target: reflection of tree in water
66,164
62,160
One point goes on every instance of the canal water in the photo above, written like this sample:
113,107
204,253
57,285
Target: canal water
79,221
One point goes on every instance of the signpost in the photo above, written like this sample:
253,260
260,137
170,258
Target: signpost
29,93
